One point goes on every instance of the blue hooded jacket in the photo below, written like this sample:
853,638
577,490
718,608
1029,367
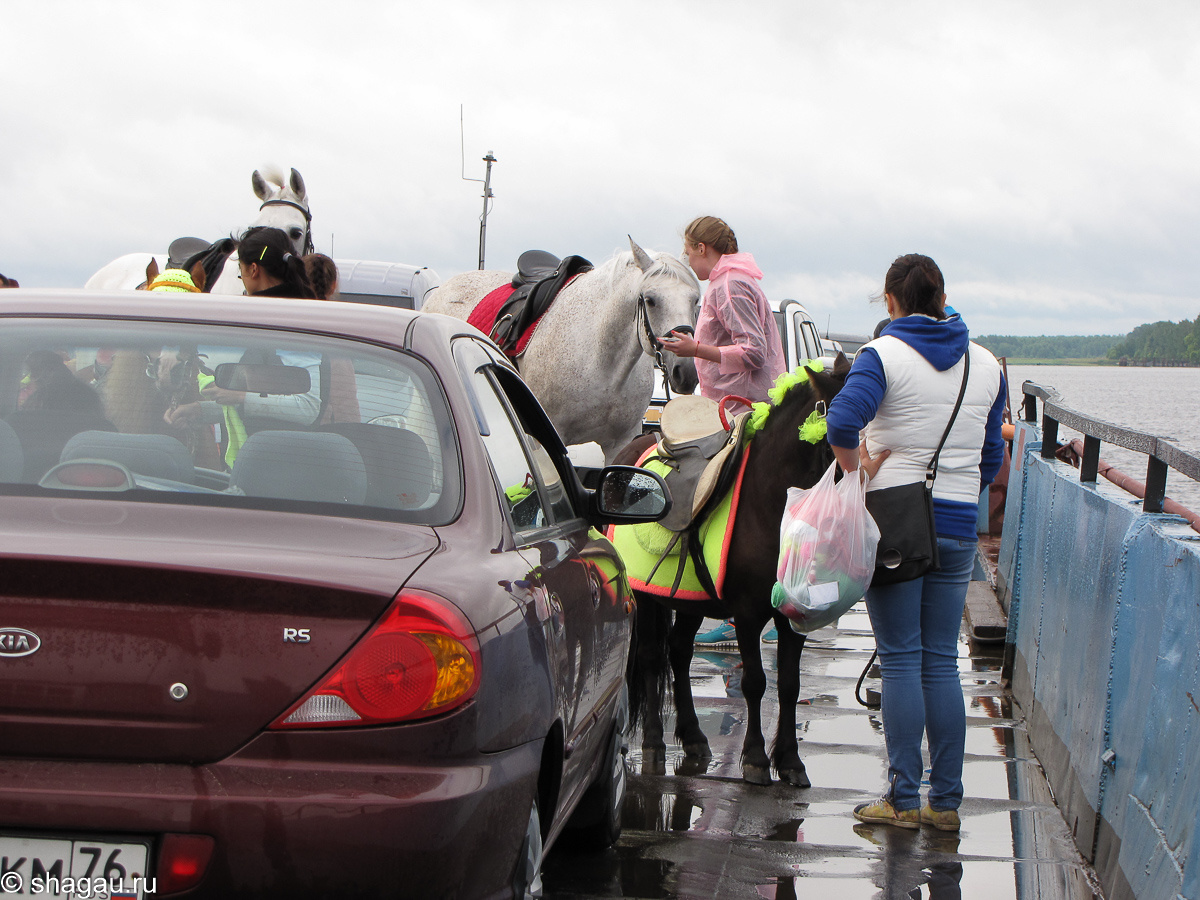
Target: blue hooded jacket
942,343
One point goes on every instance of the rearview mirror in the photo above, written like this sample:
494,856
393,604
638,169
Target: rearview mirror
263,379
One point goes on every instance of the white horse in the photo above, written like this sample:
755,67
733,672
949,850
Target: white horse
591,360
284,206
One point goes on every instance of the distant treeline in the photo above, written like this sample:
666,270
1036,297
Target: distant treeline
1167,341
1094,346
1157,341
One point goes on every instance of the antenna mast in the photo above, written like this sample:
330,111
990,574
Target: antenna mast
487,184
487,196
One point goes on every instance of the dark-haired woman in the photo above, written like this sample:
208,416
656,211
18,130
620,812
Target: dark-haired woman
902,390
267,266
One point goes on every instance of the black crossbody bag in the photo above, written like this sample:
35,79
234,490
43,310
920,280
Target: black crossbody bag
907,534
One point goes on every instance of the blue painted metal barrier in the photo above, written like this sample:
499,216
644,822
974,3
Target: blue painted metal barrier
1103,650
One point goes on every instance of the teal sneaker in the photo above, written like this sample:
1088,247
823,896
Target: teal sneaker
771,636
724,635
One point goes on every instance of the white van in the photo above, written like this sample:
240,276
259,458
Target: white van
384,283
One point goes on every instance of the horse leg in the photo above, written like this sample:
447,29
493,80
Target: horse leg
785,752
680,644
648,681
756,766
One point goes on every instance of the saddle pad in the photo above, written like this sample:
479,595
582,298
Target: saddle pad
483,316
640,547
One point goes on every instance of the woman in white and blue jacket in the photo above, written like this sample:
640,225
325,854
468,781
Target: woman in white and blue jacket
902,390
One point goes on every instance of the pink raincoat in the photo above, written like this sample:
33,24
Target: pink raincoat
736,318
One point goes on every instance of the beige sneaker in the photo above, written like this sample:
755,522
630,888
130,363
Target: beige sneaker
941,819
882,812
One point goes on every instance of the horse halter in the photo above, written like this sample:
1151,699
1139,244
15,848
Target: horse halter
652,340
309,247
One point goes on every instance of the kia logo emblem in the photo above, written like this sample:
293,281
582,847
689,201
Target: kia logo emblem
18,642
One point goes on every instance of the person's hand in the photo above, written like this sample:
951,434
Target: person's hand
183,415
680,343
868,463
223,396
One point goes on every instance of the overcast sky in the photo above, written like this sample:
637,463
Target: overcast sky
1046,155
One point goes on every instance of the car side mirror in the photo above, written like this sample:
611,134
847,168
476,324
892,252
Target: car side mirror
262,379
627,494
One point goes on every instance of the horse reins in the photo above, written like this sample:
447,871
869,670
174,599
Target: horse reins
309,247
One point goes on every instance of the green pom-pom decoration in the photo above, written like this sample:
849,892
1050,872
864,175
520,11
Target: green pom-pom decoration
814,428
758,418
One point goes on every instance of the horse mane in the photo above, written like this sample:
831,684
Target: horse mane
664,264
273,175
789,387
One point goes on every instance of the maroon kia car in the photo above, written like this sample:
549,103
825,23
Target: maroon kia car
296,599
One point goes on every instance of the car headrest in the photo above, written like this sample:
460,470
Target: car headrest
300,465
154,455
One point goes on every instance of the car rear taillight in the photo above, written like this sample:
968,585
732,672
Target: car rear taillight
422,659
182,861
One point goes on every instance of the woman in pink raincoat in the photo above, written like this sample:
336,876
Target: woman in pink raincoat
737,346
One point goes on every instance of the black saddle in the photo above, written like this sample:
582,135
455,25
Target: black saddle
540,276
184,248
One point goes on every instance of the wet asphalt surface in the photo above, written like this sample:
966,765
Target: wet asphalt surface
703,833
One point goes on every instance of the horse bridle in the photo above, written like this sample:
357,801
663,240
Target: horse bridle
643,316
309,247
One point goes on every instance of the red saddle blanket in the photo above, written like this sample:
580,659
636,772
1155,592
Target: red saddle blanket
483,316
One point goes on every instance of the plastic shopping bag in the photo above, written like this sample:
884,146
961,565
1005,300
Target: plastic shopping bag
827,544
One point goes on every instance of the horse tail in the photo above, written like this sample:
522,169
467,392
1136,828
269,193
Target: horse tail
649,667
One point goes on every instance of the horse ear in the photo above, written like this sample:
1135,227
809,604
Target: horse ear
151,271
824,386
841,365
199,278
261,189
640,256
298,185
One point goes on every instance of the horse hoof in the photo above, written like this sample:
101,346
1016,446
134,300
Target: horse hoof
690,766
795,777
697,751
654,761
756,775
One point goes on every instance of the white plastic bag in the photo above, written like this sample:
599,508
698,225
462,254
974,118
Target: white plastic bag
827,544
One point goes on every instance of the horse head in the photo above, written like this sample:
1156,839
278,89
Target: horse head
668,299
791,433
285,206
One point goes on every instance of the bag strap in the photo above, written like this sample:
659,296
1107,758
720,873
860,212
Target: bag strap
931,469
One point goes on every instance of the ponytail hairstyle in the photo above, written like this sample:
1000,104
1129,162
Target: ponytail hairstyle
271,249
917,284
712,232
322,275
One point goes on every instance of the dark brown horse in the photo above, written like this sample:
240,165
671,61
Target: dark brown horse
778,460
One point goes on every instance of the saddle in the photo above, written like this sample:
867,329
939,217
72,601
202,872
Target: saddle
701,459
540,276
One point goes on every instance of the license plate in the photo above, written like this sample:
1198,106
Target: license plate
76,869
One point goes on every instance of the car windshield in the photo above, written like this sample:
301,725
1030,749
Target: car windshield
217,415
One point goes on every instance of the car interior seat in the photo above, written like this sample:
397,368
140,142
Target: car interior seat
400,471
12,457
298,465
154,455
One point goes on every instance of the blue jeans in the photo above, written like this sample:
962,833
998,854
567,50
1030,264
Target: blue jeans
916,625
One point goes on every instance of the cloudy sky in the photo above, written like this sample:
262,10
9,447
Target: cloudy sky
1046,155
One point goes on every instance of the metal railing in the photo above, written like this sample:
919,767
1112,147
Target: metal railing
1160,452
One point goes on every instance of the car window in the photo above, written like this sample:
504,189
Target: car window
510,462
224,416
